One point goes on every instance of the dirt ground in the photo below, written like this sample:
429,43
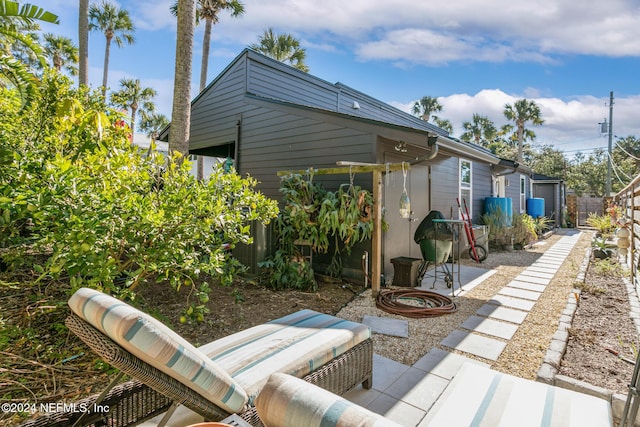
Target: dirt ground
602,323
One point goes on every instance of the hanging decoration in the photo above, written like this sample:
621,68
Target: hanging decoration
405,202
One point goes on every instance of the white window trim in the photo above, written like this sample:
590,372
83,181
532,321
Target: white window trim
462,186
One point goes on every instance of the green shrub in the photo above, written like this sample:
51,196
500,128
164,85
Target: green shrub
110,217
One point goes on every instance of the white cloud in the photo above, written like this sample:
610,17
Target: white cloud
441,31
570,124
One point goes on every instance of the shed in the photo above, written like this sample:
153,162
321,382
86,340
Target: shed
552,190
268,116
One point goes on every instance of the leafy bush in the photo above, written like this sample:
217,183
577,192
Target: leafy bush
602,223
312,216
110,217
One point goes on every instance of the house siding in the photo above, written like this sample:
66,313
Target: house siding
482,183
444,185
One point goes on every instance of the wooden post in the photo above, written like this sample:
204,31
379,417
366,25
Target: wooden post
376,236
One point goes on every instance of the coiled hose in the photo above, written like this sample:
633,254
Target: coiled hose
429,304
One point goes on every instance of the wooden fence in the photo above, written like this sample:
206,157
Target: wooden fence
628,199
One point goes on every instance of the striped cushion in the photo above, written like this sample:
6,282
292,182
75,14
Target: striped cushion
296,344
151,341
286,401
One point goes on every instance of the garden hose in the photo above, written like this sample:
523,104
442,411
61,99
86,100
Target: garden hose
429,304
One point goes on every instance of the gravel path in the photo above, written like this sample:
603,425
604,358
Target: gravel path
524,353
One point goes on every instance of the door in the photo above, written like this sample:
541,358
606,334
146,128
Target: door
398,239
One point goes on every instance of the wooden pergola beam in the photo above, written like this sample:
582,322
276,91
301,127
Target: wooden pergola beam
377,170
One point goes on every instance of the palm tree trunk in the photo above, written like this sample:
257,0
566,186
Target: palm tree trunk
83,43
181,112
206,43
105,71
520,141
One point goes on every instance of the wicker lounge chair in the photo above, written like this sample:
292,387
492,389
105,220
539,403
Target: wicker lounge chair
155,390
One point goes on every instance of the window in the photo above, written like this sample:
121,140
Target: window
523,193
465,184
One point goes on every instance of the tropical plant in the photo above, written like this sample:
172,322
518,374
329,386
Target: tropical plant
479,130
209,10
282,47
521,112
14,20
321,220
134,97
425,107
444,124
62,52
602,223
152,124
116,26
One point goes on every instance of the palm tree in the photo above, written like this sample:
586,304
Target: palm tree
426,106
209,10
443,124
480,129
134,97
83,43
520,112
116,26
14,20
282,47
62,52
181,111
152,124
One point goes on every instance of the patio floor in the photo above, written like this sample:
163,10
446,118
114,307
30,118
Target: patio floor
444,388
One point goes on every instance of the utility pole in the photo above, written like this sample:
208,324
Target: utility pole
608,185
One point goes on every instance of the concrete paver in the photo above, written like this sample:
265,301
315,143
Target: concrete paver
492,327
481,346
520,293
502,313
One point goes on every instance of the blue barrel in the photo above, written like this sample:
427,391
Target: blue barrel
535,207
500,205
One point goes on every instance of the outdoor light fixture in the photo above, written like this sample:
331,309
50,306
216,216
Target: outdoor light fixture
405,202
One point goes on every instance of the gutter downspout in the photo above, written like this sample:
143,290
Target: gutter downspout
432,142
511,172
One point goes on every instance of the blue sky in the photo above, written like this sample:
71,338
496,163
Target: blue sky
474,55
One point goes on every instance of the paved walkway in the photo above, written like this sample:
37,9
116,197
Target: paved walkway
445,388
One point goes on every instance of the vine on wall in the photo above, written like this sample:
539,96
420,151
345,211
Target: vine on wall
320,219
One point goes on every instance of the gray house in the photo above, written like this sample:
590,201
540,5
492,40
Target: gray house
270,117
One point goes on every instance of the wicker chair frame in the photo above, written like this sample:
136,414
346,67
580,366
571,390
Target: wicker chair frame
153,392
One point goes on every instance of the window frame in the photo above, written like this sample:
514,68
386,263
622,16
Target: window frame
464,186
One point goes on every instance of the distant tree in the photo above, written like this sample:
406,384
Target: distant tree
116,26
479,130
521,112
134,97
181,110
83,43
425,107
587,174
62,53
444,124
548,160
152,124
282,47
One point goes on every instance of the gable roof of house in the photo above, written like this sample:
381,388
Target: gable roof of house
352,105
